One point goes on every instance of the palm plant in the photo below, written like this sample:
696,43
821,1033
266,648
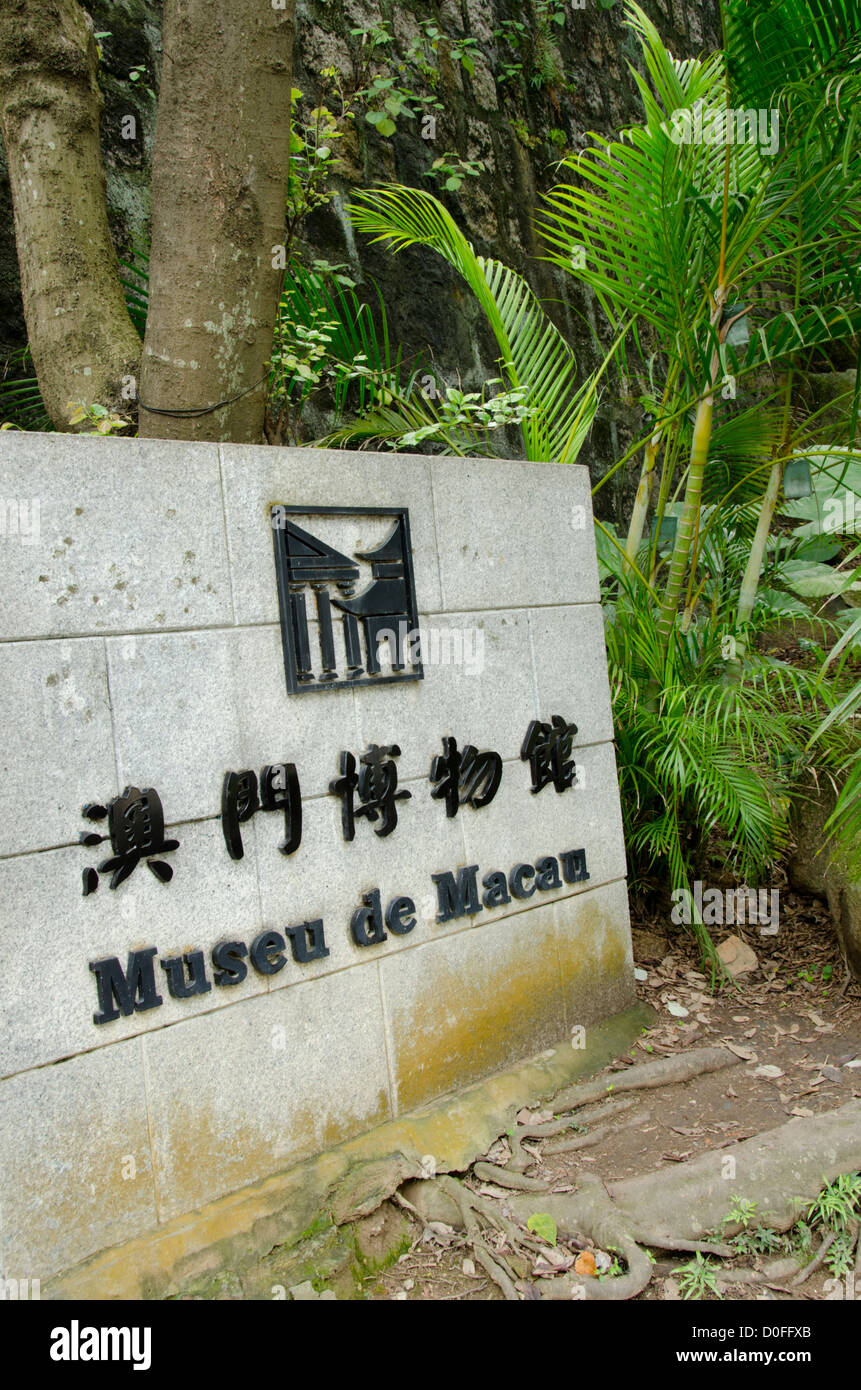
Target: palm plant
684,239
687,240
534,357
331,348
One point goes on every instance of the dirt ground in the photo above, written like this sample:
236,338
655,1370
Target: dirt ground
795,1024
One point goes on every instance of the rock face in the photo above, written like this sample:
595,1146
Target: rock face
518,104
813,870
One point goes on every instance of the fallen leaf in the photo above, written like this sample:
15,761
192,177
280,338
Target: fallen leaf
746,1054
769,1071
802,1112
677,1010
551,1262
585,1263
543,1226
832,1073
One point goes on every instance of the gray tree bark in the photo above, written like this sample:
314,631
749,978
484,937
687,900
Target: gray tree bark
81,337
219,193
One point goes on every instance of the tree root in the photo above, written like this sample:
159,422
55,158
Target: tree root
665,1072
504,1177
595,1136
815,1263
671,1209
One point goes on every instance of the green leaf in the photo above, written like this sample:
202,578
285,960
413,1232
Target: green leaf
543,1226
812,580
452,184
386,127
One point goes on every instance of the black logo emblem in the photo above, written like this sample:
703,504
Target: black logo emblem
340,640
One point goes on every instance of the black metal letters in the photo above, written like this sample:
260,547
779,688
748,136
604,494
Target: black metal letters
547,747
469,778
136,828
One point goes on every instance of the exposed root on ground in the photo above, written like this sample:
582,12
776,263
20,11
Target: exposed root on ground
675,1209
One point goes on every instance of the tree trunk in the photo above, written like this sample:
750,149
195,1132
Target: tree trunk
219,186
82,339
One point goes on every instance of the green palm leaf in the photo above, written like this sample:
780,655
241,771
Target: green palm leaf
533,353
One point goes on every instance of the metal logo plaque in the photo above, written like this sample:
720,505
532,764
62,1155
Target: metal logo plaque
362,626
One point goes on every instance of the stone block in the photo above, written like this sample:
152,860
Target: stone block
458,1008
120,548
478,687
519,827
254,479
75,1166
275,1079
230,683
58,746
571,669
593,939
48,994
531,544
328,876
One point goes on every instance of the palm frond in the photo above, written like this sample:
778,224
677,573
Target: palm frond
533,353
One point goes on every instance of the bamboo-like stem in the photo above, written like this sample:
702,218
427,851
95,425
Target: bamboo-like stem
641,501
753,568
693,494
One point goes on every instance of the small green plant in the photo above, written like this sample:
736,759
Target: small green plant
752,1239
547,67
138,75
377,37
697,1278
840,1257
514,35
801,1240
417,53
614,1269
104,421
521,130
313,152
452,170
741,1214
464,51
473,410
838,1203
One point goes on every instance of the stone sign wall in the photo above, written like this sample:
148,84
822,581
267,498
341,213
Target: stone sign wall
308,814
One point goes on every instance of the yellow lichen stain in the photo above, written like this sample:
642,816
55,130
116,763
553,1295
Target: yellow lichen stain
594,960
470,1020
207,1154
